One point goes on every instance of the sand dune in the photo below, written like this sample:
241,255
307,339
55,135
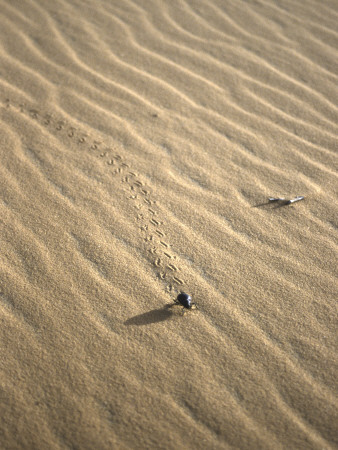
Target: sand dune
140,141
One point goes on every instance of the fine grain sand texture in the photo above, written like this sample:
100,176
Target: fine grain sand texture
139,143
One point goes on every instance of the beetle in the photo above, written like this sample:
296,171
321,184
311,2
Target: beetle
186,301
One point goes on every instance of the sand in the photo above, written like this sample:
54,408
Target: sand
140,141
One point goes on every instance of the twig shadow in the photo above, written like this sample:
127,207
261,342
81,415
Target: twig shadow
281,205
260,205
272,205
154,316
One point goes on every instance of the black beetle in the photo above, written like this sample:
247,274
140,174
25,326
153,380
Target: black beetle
185,300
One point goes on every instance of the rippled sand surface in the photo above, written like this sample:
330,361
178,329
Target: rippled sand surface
139,144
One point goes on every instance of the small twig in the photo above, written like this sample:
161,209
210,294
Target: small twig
285,201
276,199
297,199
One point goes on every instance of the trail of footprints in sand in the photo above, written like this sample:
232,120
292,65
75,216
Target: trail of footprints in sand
149,222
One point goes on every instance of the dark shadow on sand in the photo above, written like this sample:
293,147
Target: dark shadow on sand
260,205
154,316
271,205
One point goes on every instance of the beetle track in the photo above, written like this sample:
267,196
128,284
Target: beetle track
137,187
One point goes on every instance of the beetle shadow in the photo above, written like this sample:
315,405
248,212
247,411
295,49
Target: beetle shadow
153,316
